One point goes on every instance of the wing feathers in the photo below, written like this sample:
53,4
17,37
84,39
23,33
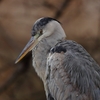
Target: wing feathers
73,75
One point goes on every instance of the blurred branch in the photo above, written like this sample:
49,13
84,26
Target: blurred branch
6,67
1,0
97,42
9,45
48,5
6,38
21,68
60,11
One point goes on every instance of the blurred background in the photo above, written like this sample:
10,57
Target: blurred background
80,20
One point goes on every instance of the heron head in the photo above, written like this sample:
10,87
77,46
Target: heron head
42,28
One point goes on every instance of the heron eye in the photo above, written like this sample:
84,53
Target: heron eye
41,32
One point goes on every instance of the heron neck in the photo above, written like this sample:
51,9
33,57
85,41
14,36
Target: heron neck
39,56
41,51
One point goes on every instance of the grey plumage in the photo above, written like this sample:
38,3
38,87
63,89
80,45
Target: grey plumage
73,75
66,68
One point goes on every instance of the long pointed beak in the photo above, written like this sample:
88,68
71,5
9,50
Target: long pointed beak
31,44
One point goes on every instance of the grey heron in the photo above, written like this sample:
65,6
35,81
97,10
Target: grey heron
65,67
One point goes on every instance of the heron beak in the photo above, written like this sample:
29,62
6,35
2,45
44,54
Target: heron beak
29,46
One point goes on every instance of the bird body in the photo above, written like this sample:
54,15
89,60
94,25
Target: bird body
72,74
66,68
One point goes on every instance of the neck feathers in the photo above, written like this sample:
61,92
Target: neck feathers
40,53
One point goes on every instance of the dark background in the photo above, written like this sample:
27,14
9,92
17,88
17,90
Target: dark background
80,20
